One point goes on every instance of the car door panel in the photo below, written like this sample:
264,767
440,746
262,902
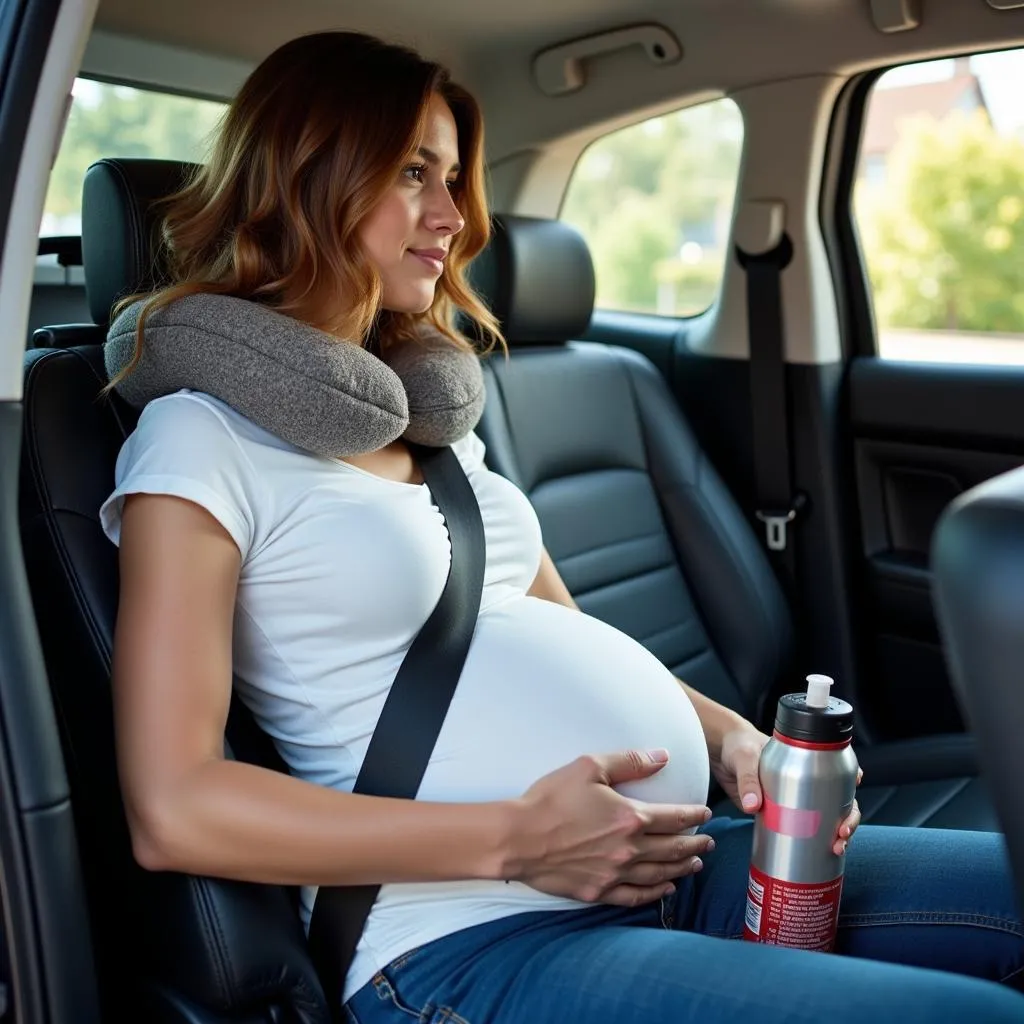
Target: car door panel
921,434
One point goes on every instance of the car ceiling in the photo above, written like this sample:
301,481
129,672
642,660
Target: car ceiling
727,45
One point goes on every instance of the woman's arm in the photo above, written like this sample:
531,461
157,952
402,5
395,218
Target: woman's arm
549,584
189,809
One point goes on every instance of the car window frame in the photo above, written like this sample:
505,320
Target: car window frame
597,139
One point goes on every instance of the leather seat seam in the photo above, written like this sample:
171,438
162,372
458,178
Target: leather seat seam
53,530
762,600
210,926
670,567
611,545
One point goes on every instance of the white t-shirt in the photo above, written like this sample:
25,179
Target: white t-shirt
340,569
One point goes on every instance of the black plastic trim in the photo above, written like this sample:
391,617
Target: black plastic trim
973,406
25,31
67,249
44,918
40,880
838,225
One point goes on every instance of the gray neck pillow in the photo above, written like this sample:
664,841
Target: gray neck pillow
330,397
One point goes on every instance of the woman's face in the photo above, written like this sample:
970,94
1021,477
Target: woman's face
408,234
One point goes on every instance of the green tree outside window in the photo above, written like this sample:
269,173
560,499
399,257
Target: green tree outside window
118,121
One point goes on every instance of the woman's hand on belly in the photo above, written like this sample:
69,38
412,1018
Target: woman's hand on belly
575,836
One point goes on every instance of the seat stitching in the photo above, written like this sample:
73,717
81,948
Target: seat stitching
610,546
950,797
706,653
631,577
136,223
661,633
214,938
1019,972
503,412
935,806
591,470
886,798
49,519
738,563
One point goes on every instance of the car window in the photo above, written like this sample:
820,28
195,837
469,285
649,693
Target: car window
654,202
939,204
116,120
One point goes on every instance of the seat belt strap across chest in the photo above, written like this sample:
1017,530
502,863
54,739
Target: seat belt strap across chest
414,711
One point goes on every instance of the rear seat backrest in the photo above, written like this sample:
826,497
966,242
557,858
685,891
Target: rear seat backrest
640,525
625,495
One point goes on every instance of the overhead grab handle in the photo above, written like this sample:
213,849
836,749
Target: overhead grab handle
896,15
560,69
1005,5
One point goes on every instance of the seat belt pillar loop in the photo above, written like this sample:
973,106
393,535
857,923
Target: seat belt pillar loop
764,250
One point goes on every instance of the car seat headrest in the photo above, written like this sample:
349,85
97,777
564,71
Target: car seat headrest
537,277
121,253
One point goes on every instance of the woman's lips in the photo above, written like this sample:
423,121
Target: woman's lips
433,258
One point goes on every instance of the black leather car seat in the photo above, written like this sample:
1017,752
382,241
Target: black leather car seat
641,527
168,947
978,555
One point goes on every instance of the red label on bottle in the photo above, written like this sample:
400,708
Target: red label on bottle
802,915
789,821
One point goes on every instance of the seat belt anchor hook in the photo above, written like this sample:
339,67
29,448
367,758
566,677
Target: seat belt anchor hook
776,532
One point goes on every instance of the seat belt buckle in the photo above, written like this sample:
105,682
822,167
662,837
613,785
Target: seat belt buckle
776,523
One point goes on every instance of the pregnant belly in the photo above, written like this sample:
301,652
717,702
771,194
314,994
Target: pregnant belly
544,684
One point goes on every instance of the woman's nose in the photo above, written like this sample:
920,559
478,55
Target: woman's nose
442,215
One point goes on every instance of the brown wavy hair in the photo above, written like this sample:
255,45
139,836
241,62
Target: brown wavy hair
312,142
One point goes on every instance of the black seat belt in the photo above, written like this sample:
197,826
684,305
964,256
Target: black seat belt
414,711
777,505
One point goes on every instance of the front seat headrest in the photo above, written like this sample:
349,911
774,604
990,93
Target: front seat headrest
121,227
537,277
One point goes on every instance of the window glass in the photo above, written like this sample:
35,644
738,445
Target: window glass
654,202
939,203
115,120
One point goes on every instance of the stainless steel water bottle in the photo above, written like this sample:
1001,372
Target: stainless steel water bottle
809,780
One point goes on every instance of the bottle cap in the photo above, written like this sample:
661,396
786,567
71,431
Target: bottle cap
817,691
814,716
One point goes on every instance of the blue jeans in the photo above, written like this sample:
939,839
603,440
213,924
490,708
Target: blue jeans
916,898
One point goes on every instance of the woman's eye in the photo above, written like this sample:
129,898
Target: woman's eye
415,172
452,185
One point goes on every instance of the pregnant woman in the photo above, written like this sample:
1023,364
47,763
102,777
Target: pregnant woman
558,864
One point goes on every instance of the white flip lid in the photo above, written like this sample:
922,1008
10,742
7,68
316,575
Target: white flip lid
818,690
